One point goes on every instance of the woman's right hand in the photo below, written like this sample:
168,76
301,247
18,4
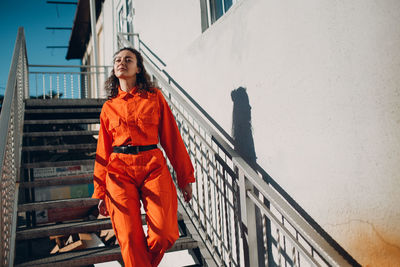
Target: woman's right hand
102,208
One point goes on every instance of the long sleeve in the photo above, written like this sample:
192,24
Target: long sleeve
173,145
104,149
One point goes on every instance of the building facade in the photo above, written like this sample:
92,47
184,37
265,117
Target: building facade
323,83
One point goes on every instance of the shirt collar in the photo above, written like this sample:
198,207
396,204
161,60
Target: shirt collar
123,94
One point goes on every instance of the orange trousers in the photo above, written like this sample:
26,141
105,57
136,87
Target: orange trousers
143,177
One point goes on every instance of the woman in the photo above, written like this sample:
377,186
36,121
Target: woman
129,167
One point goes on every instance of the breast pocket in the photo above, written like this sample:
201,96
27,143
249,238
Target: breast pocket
148,112
113,127
148,118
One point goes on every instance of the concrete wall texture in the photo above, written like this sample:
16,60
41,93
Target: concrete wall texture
323,79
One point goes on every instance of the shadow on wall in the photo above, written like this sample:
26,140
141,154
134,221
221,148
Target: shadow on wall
241,126
244,145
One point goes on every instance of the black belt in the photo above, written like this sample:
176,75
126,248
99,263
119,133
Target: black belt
132,149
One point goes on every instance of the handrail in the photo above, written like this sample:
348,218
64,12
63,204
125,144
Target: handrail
68,66
11,123
310,243
66,81
305,229
197,105
154,54
121,34
305,215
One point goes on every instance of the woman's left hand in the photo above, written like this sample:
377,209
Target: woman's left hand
187,192
102,208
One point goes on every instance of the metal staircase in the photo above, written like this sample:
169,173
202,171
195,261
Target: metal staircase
50,143
58,155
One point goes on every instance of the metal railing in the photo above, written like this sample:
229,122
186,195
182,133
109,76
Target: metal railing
11,123
67,81
228,193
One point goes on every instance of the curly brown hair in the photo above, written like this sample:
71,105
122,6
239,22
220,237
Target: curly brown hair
143,80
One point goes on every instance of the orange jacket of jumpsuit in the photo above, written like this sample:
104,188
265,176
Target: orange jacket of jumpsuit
122,180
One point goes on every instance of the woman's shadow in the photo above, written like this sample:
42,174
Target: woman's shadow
244,146
241,126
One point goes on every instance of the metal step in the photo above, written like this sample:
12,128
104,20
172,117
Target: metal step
62,121
90,147
63,110
64,229
69,228
60,133
62,180
29,103
97,255
58,163
53,204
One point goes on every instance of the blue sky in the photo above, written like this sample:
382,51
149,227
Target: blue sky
34,16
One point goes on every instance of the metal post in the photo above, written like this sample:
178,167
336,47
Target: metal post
115,40
248,214
94,36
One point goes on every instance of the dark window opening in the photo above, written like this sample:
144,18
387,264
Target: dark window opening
212,10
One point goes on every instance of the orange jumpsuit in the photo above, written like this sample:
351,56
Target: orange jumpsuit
122,180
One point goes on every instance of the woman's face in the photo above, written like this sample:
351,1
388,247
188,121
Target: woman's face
125,65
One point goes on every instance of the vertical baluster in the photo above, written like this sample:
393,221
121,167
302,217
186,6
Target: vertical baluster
86,87
79,87
58,85
186,141
51,86
226,197
44,86
197,177
230,205
65,86
298,252
72,86
236,215
294,257
36,82
203,192
265,241
219,219
198,184
284,241
278,242
209,200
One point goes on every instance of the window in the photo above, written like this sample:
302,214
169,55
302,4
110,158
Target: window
212,10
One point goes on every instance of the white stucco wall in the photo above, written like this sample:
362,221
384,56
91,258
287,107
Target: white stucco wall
324,85
168,27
